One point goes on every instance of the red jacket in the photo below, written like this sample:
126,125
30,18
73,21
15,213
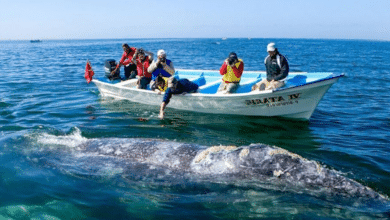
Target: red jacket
126,57
142,68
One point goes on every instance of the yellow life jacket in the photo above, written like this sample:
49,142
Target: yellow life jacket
229,76
162,89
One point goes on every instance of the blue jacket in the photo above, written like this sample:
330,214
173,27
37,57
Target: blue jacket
182,85
161,71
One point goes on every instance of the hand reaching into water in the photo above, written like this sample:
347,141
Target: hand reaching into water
161,115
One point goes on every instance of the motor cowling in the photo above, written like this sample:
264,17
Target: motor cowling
109,66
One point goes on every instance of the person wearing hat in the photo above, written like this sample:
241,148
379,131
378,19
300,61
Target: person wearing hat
277,69
162,66
231,69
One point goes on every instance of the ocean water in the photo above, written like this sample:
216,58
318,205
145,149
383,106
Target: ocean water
68,153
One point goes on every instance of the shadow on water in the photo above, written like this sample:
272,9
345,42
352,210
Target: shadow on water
128,119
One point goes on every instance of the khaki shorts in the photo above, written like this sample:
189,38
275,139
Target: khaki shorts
266,85
226,88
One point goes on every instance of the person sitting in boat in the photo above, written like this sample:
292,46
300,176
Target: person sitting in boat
277,69
162,66
142,62
172,86
231,69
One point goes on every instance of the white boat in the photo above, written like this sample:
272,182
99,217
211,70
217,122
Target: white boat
297,99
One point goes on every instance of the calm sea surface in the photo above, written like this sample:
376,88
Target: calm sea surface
47,109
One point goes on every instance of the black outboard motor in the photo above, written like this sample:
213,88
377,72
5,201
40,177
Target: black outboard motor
109,66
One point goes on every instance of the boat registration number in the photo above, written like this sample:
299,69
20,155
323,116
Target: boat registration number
275,101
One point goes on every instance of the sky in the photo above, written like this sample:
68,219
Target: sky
98,19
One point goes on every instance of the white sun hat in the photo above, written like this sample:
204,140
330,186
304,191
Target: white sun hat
161,53
271,47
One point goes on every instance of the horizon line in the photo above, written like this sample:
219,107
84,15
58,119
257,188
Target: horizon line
222,38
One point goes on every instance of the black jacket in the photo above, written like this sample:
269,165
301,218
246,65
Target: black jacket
276,71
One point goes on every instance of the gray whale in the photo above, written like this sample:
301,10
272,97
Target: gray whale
170,162
145,165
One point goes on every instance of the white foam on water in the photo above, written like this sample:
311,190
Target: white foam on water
72,140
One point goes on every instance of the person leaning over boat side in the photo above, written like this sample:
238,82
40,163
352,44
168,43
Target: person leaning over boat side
142,62
277,70
172,86
162,66
231,69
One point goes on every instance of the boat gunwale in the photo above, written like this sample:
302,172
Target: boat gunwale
330,77
333,76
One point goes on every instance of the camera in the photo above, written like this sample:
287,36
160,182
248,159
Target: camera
231,61
163,59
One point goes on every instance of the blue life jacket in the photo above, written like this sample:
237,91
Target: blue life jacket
161,71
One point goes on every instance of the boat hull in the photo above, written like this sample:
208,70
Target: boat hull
297,102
